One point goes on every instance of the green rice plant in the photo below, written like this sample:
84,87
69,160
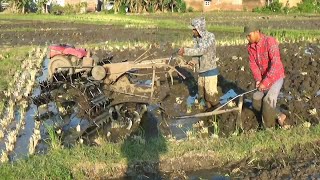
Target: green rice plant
10,62
1,106
215,124
237,131
54,140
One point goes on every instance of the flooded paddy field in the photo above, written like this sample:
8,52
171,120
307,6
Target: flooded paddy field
299,99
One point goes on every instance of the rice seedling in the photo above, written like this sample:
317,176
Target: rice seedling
54,141
1,134
313,111
215,125
4,157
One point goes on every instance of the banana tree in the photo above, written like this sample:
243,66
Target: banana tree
139,6
24,4
117,5
153,5
104,2
42,6
18,6
169,4
162,5
131,4
158,5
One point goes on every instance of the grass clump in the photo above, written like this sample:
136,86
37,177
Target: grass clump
78,161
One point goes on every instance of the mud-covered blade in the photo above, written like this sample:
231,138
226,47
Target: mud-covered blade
44,98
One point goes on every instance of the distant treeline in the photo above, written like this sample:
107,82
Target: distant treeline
140,6
24,6
118,6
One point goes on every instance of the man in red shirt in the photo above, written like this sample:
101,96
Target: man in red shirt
268,73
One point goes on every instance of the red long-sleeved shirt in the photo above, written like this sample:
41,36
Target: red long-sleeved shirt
265,61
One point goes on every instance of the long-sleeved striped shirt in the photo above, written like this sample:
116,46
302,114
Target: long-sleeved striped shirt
265,61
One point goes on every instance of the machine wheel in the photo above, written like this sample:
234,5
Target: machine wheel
58,62
98,73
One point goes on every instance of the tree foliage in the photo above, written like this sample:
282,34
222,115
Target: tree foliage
19,6
24,6
120,6
309,6
305,6
139,6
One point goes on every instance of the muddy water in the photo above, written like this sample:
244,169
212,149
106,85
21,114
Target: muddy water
179,128
22,145
214,174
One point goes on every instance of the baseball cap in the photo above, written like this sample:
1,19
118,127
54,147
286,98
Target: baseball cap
250,28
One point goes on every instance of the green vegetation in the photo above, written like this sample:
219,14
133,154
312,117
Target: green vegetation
309,6
10,62
137,6
1,105
68,9
78,161
54,141
306,6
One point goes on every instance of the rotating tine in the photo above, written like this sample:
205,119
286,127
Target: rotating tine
44,85
99,100
42,99
55,77
63,74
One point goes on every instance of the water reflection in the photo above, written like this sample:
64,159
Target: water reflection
211,174
21,149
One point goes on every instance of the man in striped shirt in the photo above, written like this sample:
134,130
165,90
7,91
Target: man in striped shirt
268,73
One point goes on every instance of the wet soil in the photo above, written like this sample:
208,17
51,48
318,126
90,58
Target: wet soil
46,33
264,21
303,163
298,96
